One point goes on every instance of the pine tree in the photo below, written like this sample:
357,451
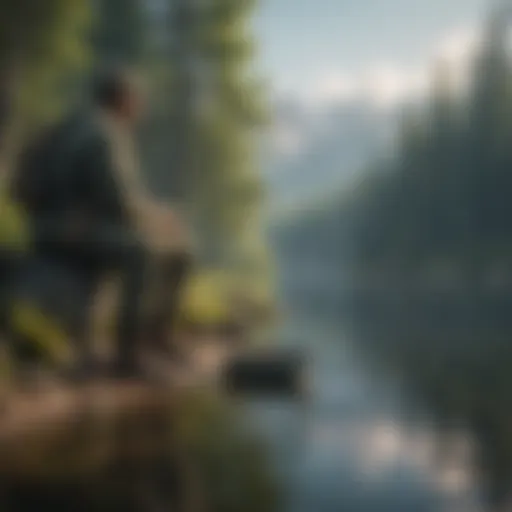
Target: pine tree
215,106
42,45
120,31
232,108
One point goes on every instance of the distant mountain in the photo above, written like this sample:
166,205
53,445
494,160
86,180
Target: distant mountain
308,152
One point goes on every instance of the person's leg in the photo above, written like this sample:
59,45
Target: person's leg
107,248
86,364
80,259
171,277
131,264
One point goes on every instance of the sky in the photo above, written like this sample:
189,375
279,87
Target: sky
320,50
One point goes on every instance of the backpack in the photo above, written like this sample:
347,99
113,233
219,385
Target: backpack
36,183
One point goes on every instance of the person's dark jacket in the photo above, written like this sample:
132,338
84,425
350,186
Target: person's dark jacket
88,183
81,201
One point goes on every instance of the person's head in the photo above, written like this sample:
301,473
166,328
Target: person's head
119,91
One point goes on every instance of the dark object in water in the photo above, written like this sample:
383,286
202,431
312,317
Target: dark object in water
273,374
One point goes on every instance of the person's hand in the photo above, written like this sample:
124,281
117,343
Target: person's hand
166,228
176,227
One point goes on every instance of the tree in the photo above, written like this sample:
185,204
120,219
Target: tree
229,192
43,44
445,204
120,31
208,127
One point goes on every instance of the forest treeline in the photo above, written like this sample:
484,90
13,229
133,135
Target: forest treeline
432,229
441,207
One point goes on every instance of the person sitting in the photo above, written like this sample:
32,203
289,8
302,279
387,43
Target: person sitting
92,212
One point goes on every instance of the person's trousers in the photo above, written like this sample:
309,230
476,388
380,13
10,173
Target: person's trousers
130,262
108,250
117,250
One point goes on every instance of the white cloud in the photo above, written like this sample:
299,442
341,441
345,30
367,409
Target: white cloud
460,45
335,86
386,84
457,50
382,84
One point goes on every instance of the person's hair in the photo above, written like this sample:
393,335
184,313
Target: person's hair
110,85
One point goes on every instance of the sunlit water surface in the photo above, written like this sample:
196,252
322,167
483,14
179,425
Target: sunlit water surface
352,447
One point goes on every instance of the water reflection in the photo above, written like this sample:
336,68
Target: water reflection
353,447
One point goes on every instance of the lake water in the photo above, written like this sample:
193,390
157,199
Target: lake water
351,447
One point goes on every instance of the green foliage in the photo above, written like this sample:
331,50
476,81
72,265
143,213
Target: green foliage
119,31
48,48
446,193
228,192
226,105
435,226
213,299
